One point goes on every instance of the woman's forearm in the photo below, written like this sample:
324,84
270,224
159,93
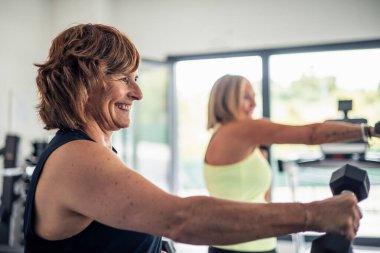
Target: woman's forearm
211,221
219,222
329,132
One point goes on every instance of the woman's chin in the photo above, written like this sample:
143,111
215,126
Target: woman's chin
121,125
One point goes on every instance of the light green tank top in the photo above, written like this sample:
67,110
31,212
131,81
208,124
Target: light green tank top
248,181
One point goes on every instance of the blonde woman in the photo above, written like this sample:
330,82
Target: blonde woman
234,168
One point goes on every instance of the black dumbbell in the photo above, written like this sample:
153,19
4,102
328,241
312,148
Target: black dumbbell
377,127
347,178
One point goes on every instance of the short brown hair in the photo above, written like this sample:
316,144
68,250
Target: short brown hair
225,99
79,62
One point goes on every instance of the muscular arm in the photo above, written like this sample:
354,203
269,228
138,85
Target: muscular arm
267,132
90,180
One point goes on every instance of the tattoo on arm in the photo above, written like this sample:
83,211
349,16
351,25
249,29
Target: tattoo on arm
347,134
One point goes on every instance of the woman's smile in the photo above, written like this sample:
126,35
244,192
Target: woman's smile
124,107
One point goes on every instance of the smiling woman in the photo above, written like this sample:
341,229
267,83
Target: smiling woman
106,53
118,98
83,198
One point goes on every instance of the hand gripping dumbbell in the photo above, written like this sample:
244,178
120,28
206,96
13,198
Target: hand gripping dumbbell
347,178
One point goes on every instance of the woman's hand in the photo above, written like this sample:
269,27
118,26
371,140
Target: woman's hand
339,215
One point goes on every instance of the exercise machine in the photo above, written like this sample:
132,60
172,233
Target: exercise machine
15,185
335,155
10,175
12,203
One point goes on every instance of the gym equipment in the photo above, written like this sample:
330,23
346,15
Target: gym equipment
347,178
15,182
168,246
338,154
10,176
9,151
350,149
291,170
38,149
377,127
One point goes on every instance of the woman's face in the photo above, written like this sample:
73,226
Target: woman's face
248,102
123,91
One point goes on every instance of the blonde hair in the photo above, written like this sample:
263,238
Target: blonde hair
80,61
225,99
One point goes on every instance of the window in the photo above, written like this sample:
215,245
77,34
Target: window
306,87
144,145
194,80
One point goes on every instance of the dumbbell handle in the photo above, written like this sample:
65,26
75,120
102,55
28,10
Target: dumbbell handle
377,128
337,243
347,178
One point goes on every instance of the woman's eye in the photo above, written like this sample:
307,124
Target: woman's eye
125,80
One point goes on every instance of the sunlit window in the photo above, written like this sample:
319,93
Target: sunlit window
305,88
144,146
194,80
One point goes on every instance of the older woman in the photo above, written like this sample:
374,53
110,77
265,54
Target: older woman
83,198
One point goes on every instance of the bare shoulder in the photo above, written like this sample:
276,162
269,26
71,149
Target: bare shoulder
234,141
89,180
79,163
245,126
73,165
83,148
81,151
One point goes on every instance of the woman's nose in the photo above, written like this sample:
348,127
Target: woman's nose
136,92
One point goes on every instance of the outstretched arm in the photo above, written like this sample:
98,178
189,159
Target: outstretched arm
264,131
97,185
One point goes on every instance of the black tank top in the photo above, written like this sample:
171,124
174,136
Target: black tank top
96,237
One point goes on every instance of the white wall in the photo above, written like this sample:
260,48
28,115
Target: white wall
70,12
27,28
175,27
24,26
161,28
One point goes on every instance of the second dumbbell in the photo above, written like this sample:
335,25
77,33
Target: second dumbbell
347,178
